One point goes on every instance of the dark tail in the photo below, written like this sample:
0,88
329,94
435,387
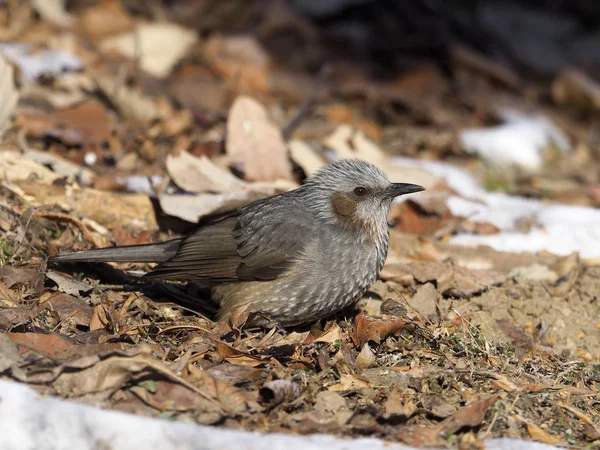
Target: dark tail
132,253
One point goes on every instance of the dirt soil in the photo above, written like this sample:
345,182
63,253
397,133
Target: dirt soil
453,345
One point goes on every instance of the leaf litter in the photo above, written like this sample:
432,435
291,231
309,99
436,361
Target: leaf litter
451,346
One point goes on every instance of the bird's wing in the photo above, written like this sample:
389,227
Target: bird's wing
255,243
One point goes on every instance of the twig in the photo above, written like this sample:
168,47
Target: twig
66,218
307,105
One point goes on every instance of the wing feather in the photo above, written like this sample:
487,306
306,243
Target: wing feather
257,242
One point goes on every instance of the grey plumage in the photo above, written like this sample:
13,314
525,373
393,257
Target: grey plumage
295,257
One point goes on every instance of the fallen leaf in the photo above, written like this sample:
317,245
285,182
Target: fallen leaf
371,328
399,405
68,285
45,344
8,93
469,416
347,142
332,333
70,307
169,396
304,155
54,12
105,19
349,382
539,435
9,354
279,391
255,143
157,46
105,208
130,103
60,166
14,168
88,118
17,276
195,174
366,357
332,405
99,319
13,317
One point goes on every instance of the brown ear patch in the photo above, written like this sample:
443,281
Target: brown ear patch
343,206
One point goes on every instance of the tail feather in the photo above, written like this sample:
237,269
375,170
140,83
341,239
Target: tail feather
132,253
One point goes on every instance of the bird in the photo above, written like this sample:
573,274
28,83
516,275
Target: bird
292,258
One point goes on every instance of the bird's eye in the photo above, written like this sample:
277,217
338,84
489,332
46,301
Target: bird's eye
360,191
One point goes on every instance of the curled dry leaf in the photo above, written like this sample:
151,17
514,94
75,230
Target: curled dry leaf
469,416
217,190
279,391
347,142
54,12
195,174
9,354
130,103
9,95
306,157
67,285
159,46
255,143
366,357
371,328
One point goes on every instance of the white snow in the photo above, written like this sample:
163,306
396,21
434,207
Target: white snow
31,422
559,229
520,140
34,64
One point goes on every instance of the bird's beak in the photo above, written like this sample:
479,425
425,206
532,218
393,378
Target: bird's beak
397,189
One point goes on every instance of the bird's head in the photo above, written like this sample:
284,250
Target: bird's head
355,194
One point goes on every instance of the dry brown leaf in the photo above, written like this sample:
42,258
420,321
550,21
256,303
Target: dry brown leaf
54,12
130,103
105,19
573,87
99,319
68,285
241,60
366,357
157,46
9,354
307,158
469,416
348,382
13,317
538,434
89,119
374,328
230,398
45,344
399,404
15,168
67,90
195,174
451,280
217,190
166,395
17,276
105,208
255,143
331,334
63,168
8,93
68,307
279,391
347,142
